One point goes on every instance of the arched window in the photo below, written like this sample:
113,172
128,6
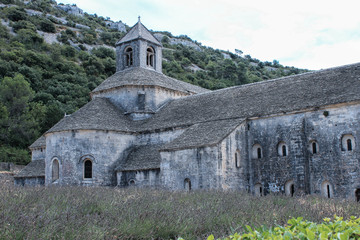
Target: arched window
187,184
258,189
290,188
326,189
348,142
237,159
282,149
87,168
150,57
132,182
314,147
257,151
55,170
129,57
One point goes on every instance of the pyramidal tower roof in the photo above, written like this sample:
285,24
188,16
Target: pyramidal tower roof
139,31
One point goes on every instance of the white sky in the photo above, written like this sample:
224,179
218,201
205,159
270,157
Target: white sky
310,34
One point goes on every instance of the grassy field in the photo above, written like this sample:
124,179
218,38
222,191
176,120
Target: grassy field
112,213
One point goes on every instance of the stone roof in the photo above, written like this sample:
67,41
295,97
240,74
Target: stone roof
203,134
35,168
145,77
139,31
288,94
293,93
144,157
98,114
40,142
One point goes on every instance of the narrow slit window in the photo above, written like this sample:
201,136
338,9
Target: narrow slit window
284,150
259,153
314,148
187,184
55,170
237,159
349,145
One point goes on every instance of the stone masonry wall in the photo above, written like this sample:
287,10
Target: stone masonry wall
103,148
38,153
308,170
143,178
201,166
234,174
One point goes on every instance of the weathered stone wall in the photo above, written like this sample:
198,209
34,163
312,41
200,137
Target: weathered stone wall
143,178
158,137
127,97
104,148
201,166
308,171
38,153
29,181
234,173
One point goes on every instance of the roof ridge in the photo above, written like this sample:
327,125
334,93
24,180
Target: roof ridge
270,80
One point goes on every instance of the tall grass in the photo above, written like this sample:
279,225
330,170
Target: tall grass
112,213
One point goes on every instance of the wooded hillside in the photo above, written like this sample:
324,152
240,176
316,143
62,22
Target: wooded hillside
52,56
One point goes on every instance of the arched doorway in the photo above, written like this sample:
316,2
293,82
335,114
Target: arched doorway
290,188
187,184
357,195
258,190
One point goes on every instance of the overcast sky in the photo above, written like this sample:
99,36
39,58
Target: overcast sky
312,34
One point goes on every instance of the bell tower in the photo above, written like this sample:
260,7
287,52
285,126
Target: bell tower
139,48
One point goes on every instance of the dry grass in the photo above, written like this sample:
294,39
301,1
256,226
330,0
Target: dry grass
112,213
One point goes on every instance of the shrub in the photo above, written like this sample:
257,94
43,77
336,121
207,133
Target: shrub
47,26
16,14
302,229
23,24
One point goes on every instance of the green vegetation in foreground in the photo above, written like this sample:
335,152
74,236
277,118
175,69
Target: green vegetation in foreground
113,213
300,229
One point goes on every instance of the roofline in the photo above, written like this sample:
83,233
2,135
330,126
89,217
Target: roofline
29,176
273,80
140,169
138,22
138,38
90,129
204,145
131,69
130,85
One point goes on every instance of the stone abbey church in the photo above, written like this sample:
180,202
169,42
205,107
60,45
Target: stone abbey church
294,135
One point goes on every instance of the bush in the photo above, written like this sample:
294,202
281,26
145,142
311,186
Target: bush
29,37
302,229
47,26
16,14
23,24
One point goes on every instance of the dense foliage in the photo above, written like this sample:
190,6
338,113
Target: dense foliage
338,229
40,82
113,213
